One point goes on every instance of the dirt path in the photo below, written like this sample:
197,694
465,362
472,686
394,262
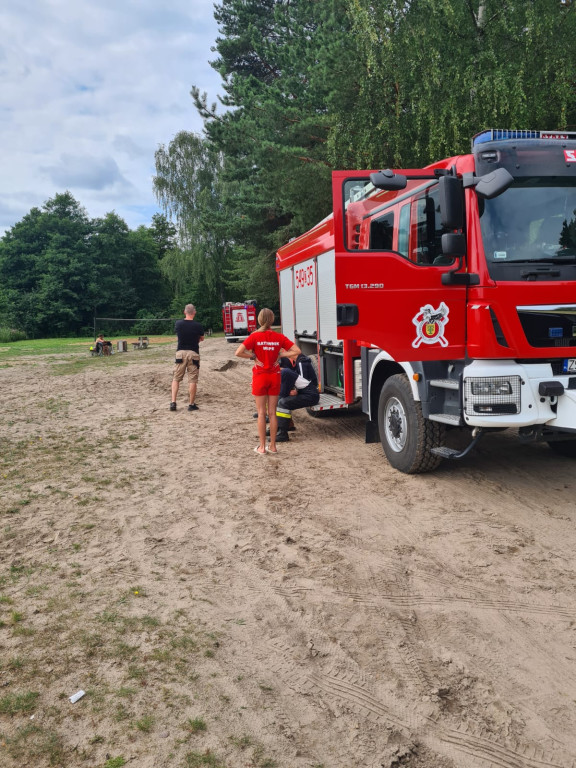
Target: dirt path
311,609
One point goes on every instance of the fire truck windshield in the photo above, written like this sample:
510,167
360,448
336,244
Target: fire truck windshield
533,222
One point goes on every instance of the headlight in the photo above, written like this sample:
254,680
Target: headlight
491,387
492,395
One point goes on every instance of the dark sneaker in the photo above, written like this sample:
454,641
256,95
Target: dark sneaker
282,437
193,407
172,406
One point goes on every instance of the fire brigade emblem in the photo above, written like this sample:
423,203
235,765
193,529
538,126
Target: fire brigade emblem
430,324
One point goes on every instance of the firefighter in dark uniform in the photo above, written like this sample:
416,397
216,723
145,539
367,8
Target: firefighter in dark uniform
299,389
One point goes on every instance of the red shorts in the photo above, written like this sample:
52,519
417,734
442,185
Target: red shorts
266,384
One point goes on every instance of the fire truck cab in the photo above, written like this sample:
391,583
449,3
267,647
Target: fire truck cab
444,298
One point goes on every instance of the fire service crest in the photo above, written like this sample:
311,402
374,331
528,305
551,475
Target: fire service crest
430,325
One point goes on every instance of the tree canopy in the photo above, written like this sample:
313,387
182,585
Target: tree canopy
58,269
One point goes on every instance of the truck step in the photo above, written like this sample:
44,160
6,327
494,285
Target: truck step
328,402
445,383
451,453
446,418
444,452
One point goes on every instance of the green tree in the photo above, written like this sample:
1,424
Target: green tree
429,74
151,289
279,62
164,234
58,269
46,268
187,184
113,291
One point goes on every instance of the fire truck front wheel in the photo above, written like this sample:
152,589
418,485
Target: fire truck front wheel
407,437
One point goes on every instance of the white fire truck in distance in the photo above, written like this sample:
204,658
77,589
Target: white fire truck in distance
239,320
444,298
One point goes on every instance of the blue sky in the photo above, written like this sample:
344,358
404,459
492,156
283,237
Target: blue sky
88,91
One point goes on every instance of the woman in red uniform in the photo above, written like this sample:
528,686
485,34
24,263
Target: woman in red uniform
266,347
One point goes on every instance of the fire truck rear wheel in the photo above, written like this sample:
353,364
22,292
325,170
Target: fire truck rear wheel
564,448
407,437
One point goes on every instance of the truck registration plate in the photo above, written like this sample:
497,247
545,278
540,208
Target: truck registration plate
570,365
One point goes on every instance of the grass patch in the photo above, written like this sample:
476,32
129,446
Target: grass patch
32,744
9,335
196,726
200,759
145,724
15,703
241,742
114,762
68,346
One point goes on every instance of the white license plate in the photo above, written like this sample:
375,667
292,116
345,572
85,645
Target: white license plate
570,365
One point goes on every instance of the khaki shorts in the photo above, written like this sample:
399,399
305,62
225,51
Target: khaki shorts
190,364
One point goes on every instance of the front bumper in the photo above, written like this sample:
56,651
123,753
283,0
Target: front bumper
525,405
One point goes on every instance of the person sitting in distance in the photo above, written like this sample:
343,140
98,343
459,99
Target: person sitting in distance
102,346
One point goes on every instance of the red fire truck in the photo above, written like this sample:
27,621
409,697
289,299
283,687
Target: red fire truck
239,320
444,298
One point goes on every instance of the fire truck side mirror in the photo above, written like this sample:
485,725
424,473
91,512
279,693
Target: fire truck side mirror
451,202
493,184
388,180
454,245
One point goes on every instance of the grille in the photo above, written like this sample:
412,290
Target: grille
545,329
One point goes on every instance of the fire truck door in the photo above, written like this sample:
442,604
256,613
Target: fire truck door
240,319
389,270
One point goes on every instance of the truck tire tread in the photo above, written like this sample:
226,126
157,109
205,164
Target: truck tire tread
422,435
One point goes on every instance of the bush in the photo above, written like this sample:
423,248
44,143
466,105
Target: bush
11,334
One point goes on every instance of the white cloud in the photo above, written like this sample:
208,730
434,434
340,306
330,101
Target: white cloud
88,91
81,172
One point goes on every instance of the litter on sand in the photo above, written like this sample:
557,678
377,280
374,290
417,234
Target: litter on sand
76,696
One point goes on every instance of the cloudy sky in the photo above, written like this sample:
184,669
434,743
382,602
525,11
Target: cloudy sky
88,91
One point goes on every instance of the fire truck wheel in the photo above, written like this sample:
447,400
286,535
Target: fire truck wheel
407,438
564,448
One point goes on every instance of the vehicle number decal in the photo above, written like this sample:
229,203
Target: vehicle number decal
304,276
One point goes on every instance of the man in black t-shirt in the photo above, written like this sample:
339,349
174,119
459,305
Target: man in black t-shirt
190,333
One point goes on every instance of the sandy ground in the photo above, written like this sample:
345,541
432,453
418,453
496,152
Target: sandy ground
316,609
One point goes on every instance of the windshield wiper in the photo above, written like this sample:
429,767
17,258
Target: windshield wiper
532,274
546,260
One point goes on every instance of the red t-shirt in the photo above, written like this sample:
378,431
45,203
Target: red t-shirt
266,345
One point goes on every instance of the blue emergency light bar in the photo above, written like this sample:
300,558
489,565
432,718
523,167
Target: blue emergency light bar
498,134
